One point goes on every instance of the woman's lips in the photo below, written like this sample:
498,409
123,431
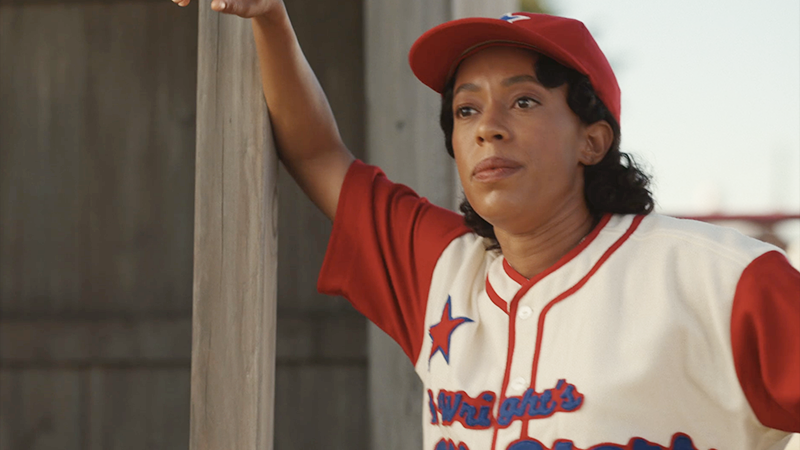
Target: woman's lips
495,168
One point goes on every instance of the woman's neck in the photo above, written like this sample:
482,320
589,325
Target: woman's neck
534,251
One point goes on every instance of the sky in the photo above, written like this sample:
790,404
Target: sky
710,98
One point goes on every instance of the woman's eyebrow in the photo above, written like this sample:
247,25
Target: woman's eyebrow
466,87
520,79
507,82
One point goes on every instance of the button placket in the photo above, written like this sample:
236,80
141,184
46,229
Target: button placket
523,350
519,384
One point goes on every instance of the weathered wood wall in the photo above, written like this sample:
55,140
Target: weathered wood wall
404,138
97,107
97,133
321,388
235,244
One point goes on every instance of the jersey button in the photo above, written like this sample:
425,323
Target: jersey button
519,384
524,312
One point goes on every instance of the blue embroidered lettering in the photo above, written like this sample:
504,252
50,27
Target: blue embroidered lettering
570,398
474,413
477,413
450,445
680,441
468,413
448,406
525,445
546,404
485,410
432,406
530,401
508,410
641,444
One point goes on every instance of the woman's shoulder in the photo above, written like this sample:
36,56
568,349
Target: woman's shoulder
699,238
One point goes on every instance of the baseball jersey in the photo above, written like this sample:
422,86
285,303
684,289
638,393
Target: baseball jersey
652,333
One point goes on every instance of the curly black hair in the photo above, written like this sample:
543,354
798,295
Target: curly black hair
614,185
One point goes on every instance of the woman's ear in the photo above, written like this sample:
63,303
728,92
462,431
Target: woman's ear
599,136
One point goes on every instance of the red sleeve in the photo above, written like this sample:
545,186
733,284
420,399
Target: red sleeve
382,251
765,333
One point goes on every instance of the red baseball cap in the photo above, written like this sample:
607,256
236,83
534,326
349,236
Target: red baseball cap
435,56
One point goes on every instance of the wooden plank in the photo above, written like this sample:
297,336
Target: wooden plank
233,343
404,138
322,339
41,409
118,341
137,409
129,341
97,109
330,34
70,2
317,408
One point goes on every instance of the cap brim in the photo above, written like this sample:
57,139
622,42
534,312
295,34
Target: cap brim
437,53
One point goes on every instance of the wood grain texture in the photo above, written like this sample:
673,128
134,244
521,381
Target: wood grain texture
317,333
80,343
322,396
97,162
42,410
404,138
71,2
137,409
330,34
233,342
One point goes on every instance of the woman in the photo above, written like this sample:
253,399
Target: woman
557,313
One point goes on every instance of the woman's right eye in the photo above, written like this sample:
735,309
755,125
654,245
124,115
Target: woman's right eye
464,111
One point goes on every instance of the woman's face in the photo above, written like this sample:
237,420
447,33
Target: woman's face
518,146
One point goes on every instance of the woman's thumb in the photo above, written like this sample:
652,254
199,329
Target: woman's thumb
225,6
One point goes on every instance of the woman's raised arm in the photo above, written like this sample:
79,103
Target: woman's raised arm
305,132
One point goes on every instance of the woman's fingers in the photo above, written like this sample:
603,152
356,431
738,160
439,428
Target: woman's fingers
238,7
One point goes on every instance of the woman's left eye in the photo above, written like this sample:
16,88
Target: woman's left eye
525,102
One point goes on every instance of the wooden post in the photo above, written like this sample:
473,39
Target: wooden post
404,138
235,247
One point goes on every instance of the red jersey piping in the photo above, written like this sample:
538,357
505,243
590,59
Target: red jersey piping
519,278
494,297
540,328
527,284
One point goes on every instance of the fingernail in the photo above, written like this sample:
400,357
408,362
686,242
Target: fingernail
221,5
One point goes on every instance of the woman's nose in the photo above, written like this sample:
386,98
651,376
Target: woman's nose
492,127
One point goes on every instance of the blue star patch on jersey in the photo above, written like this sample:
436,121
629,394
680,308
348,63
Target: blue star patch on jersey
440,333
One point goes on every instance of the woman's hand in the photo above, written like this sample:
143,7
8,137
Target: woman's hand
305,131
241,8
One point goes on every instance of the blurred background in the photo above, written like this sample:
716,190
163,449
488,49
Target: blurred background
97,135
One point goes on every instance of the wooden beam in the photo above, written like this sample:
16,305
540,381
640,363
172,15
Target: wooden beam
235,250
20,3
121,340
404,139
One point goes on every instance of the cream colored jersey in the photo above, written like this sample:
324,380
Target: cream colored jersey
653,333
